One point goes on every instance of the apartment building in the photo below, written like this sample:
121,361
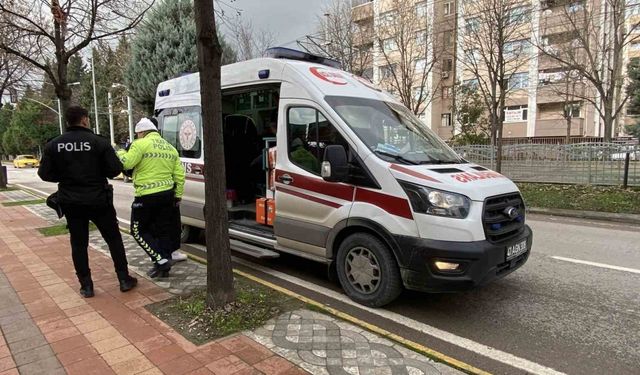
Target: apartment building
542,93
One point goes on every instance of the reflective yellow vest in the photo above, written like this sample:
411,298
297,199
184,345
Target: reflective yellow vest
156,166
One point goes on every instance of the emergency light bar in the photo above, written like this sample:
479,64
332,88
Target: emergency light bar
292,54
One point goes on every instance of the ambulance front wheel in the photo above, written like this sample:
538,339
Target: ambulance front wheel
368,271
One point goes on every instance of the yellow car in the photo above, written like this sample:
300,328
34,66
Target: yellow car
23,161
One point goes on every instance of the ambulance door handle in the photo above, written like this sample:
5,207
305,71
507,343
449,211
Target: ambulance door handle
286,179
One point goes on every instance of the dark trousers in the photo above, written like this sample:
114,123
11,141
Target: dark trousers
104,217
176,228
151,224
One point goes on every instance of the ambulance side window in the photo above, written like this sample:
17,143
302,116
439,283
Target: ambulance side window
182,127
308,134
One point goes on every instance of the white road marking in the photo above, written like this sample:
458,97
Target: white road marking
486,351
595,264
44,194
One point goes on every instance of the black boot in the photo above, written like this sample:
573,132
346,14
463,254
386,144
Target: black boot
127,282
86,286
159,270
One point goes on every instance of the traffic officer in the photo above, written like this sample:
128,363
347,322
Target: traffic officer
158,179
80,162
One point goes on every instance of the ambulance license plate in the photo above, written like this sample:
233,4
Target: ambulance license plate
516,249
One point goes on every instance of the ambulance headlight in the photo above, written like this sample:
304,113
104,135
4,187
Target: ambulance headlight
429,201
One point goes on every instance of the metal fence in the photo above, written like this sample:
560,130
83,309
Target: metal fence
580,163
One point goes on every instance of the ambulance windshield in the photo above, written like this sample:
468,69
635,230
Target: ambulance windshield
392,132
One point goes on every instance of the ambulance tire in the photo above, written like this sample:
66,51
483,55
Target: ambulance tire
189,234
358,256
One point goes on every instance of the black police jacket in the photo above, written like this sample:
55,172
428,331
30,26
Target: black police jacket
80,162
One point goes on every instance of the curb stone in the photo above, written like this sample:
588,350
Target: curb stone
593,215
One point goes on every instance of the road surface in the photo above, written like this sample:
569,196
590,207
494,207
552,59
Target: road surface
573,308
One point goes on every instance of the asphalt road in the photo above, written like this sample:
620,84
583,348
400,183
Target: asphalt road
560,313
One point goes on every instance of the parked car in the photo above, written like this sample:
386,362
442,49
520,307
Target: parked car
634,154
23,161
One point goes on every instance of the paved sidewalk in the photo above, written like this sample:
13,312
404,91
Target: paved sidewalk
47,328
113,332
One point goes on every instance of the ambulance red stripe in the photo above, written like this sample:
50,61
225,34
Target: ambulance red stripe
413,173
393,205
308,197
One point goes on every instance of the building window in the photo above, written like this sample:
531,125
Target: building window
519,14
448,38
386,72
516,47
471,25
471,84
572,110
635,46
518,81
419,93
515,113
448,8
389,45
388,18
421,65
575,7
633,8
447,92
445,120
447,65
421,9
421,37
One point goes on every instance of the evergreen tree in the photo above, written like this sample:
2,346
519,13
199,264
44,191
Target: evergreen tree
5,121
29,128
164,47
633,90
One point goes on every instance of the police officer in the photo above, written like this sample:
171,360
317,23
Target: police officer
158,179
80,162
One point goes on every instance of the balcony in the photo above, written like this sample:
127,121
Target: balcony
555,92
362,11
558,127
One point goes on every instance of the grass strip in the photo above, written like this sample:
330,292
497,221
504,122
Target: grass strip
60,229
582,197
23,203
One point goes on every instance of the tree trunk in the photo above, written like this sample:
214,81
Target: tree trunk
568,139
608,123
499,148
219,274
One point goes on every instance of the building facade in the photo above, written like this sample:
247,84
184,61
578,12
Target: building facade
542,93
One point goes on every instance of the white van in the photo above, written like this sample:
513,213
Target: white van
358,182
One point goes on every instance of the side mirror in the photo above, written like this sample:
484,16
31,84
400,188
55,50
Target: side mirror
335,167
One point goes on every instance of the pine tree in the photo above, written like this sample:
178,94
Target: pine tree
633,90
164,47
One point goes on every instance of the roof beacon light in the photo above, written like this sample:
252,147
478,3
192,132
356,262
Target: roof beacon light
263,74
292,54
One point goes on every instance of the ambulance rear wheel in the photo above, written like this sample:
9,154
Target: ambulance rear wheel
189,233
368,271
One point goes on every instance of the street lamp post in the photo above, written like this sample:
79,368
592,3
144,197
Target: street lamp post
60,116
129,109
112,137
95,94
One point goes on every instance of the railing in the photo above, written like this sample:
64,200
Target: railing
581,163
355,3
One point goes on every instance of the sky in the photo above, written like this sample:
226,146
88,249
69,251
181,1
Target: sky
287,19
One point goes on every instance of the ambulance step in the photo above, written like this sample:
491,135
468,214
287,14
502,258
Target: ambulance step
253,251
238,246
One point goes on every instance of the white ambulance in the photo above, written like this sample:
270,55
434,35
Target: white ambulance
323,165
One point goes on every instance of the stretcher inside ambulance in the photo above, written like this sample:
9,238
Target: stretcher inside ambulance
323,165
